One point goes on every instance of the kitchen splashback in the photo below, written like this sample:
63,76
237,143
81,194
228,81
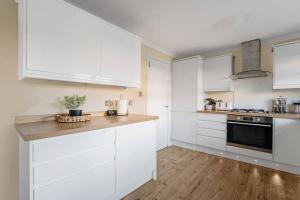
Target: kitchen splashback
254,93
258,93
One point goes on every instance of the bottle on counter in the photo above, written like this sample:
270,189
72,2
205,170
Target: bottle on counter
280,105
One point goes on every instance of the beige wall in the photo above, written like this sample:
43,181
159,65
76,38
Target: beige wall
35,97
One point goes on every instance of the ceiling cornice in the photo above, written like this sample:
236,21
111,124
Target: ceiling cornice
158,48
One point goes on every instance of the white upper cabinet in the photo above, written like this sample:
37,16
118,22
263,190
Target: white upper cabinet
186,86
286,62
62,39
217,72
59,41
121,56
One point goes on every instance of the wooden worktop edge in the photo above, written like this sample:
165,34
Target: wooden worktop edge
61,129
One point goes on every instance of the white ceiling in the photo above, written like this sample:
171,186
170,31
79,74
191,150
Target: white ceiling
190,27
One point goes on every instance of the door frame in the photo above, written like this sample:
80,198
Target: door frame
151,57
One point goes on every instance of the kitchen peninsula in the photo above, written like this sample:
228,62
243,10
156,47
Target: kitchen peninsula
106,158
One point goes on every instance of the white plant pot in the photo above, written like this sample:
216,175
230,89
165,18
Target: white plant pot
208,107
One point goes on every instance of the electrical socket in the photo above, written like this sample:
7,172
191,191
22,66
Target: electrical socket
130,102
108,102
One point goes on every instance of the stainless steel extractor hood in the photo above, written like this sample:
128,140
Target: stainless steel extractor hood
251,53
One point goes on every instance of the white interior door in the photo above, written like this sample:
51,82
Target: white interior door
159,98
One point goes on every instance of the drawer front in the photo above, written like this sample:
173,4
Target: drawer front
212,133
212,125
93,184
212,117
55,148
69,166
211,142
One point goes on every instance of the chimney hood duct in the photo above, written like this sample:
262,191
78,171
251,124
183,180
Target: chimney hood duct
251,53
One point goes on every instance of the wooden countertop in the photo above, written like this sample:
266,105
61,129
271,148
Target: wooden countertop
47,129
274,115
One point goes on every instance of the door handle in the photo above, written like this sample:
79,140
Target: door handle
166,106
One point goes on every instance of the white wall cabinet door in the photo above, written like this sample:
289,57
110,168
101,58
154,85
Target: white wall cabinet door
286,71
186,84
287,139
217,72
62,41
184,127
121,56
58,41
135,156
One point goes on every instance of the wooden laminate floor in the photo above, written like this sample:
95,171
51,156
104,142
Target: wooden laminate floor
189,175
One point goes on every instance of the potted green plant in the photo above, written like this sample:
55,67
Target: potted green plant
210,104
74,103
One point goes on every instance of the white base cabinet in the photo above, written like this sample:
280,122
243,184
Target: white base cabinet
183,127
135,156
93,184
211,131
58,41
287,138
103,164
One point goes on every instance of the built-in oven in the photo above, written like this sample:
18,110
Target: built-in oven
250,132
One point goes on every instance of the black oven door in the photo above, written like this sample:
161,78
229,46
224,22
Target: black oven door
250,135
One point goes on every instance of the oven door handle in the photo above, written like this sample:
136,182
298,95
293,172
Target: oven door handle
248,124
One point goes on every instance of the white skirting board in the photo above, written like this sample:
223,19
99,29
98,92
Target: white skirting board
234,156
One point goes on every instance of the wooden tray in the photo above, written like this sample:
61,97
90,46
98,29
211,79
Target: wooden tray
66,118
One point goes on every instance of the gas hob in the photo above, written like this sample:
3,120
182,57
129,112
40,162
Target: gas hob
249,110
